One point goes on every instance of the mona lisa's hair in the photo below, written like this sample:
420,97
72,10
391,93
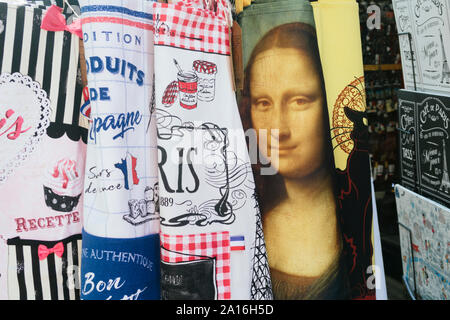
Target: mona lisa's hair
301,36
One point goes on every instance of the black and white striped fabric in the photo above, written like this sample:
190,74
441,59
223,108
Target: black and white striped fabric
52,278
49,58
48,3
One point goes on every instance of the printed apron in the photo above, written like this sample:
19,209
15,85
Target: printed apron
121,255
212,244
42,159
337,137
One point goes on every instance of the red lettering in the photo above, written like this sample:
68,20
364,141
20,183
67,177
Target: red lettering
21,225
68,216
76,216
17,124
50,222
8,114
59,218
24,225
41,223
32,224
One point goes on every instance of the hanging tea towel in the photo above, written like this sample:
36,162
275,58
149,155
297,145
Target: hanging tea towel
121,222
42,159
207,190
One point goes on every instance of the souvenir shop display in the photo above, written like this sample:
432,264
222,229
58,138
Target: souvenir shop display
423,195
186,150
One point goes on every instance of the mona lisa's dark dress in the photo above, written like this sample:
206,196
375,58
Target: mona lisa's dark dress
332,285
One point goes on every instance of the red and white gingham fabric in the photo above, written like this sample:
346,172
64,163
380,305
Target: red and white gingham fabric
214,245
190,28
222,7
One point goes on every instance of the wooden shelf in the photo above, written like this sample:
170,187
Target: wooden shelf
382,67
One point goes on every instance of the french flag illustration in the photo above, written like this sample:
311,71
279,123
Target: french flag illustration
128,168
237,243
86,107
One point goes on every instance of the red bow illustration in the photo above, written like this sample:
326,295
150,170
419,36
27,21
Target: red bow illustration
43,251
54,21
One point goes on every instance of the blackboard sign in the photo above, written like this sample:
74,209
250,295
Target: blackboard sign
407,134
433,145
425,143
191,280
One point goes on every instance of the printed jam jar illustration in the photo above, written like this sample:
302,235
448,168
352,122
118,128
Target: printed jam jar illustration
187,87
206,72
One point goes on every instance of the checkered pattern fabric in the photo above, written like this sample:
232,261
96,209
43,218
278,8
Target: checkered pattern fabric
189,3
222,7
190,28
183,248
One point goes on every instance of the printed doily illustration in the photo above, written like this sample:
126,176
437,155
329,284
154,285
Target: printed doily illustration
353,97
24,118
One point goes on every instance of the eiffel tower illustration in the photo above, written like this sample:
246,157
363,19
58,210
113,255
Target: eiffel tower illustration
445,183
445,66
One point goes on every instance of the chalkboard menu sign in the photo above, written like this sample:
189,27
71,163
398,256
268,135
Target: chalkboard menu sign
425,138
433,138
407,133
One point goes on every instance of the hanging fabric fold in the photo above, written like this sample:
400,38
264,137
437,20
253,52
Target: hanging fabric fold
303,93
121,221
340,49
211,231
42,159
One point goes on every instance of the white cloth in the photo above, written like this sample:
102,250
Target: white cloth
121,170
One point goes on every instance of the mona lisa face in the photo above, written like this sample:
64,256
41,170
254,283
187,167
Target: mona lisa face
287,102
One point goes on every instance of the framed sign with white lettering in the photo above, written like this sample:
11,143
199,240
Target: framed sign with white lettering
424,143
433,145
407,135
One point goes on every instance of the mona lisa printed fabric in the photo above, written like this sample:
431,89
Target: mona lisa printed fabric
211,232
318,139
42,159
121,221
